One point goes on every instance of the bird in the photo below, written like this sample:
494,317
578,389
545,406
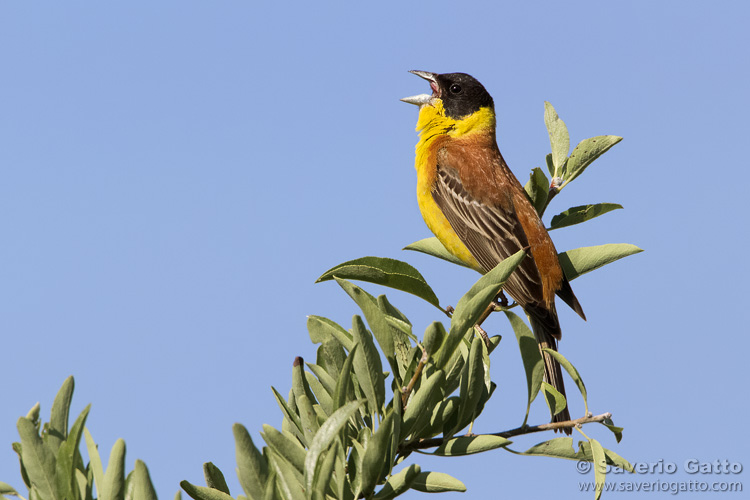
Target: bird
477,209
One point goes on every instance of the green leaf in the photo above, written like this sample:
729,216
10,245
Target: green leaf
559,138
58,422
387,272
326,436
215,478
376,456
323,480
367,367
472,384
322,329
469,445
143,489
582,260
550,165
289,449
433,337
471,306
555,400
562,447
532,359
326,381
203,493
113,482
288,478
586,152
95,462
432,246
572,372
38,460
331,356
402,335
291,415
382,331
6,489
576,215
307,416
299,381
343,384
252,467
617,431
538,190
600,466
398,483
436,482
67,454
419,406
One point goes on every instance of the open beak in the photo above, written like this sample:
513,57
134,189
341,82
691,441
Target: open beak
422,99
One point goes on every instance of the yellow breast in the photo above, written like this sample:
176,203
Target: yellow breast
433,127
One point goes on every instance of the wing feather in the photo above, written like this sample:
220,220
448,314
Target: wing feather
490,232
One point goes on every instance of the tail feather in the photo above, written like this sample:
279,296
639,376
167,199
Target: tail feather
545,333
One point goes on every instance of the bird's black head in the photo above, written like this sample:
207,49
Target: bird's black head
461,94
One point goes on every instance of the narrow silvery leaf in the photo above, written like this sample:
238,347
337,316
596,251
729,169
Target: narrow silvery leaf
585,153
432,246
326,436
113,485
582,260
58,422
292,451
387,272
368,367
436,482
143,488
419,404
600,466
204,493
252,467
215,478
67,454
555,400
617,431
321,329
95,462
344,382
472,384
572,372
559,138
562,447
469,445
577,215
38,460
398,483
376,454
375,317
532,359
290,414
538,190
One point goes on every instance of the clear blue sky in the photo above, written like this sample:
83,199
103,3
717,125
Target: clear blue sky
175,176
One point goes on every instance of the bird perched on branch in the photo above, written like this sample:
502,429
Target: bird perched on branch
478,210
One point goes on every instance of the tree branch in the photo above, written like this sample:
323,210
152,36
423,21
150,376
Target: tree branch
421,444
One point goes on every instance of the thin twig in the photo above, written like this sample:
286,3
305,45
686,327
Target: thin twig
518,431
417,373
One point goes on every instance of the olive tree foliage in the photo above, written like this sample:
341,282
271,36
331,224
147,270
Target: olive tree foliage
376,392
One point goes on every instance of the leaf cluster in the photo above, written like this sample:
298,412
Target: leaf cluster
52,467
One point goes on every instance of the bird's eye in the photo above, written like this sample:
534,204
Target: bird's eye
455,89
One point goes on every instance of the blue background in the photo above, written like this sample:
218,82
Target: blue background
176,175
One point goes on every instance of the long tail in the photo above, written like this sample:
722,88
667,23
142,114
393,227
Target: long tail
545,333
